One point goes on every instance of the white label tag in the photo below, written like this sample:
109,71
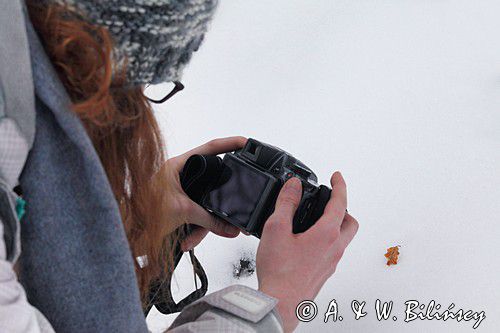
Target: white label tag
245,301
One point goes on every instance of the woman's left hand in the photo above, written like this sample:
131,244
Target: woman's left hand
189,210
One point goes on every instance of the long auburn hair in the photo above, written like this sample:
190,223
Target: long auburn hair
122,127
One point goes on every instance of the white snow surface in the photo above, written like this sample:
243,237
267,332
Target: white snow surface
401,96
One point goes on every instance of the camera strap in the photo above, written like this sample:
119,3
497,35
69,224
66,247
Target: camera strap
200,173
160,293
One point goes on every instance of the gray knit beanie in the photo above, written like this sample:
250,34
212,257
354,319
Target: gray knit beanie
156,37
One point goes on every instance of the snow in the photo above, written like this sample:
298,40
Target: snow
403,97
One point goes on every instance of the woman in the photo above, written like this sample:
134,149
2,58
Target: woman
100,194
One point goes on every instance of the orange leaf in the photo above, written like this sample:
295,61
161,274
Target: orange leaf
392,255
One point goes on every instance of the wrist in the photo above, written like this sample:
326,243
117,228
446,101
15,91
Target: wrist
285,307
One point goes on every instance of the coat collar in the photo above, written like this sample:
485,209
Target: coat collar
50,90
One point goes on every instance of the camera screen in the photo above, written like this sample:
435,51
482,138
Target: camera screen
238,196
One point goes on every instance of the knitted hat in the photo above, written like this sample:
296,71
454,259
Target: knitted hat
156,37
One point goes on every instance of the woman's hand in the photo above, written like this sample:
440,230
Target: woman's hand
188,210
294,267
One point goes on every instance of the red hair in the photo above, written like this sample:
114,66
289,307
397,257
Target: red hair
123,129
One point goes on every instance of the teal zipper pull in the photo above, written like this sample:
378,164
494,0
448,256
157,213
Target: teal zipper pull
20,208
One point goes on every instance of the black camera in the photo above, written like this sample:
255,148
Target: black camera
242,188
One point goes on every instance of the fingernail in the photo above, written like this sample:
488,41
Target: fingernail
230,229
293,185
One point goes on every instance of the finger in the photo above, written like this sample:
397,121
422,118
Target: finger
202,218
339,244
214,147
196,235
335,209
348,229
288,200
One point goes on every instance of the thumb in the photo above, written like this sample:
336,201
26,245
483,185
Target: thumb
194,238
288,199
202,218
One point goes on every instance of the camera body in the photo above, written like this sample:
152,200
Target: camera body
247,184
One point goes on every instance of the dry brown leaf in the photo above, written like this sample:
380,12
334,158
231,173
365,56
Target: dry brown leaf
392,255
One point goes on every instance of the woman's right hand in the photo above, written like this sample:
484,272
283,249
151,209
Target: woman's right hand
294,267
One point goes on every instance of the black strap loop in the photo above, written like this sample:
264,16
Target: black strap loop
160,293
